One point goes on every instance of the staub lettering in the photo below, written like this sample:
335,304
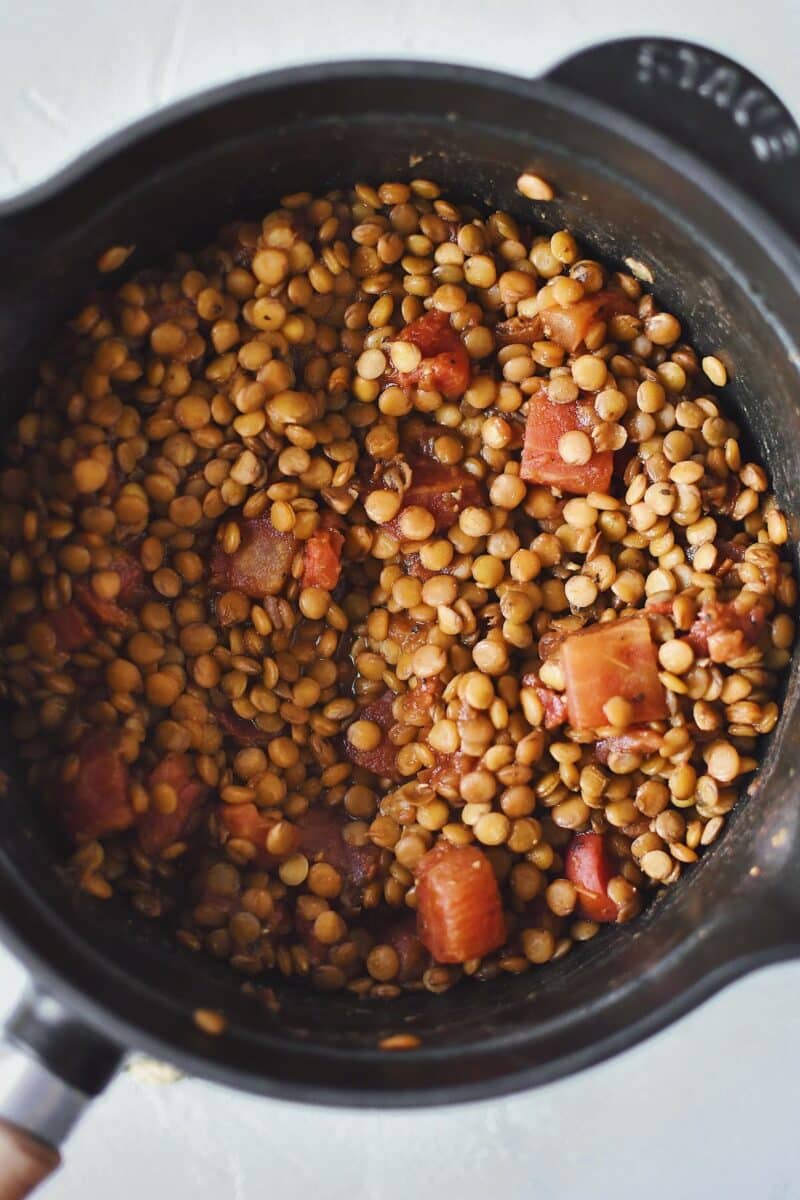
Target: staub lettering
771,136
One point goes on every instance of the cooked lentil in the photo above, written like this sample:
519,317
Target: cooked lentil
294,535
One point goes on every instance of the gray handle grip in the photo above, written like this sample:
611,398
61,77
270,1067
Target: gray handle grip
51,1066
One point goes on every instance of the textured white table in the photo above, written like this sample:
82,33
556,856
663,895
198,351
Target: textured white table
707,1109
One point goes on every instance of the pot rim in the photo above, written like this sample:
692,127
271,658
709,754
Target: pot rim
655,144
204,1056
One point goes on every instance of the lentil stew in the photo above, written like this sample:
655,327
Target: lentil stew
388,597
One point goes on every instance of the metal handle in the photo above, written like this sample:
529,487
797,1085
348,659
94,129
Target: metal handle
51,1067
707,104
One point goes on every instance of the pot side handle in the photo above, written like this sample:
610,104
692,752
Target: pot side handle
51,1067
707,104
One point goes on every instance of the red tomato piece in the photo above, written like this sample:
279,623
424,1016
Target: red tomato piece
132,585
541,461
243,731
381,760
408,633
588,867
71,628
723,633
662,607
445,365
250,823
412,565
729,552
612,658
132,592
632,741
447,771
550,643
322,559
261,564
321,839
555,705
566,325
118,612
444,491
519,331
459,914
158,830
107,612
96,801
414,706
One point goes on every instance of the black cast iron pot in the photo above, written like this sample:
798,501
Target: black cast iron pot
659,152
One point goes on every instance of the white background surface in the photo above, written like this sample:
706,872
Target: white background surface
709,1108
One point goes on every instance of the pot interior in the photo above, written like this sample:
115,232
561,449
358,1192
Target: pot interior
734,290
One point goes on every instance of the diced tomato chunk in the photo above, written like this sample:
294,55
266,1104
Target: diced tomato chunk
383,759
553,702
418,438
519,331
661,607
632,741
71,628
724,633
459,914
541,461
408,633
107,612
132,591
412,565
444,491
159,830
245,732
132,586
96,801
447,771
566,325
612,658
588,867
321,839
250,823
414,706
445,365
732,552
550,643
555,705
322,559
261,564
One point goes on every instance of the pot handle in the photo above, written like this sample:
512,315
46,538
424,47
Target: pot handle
707,104
51,1067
